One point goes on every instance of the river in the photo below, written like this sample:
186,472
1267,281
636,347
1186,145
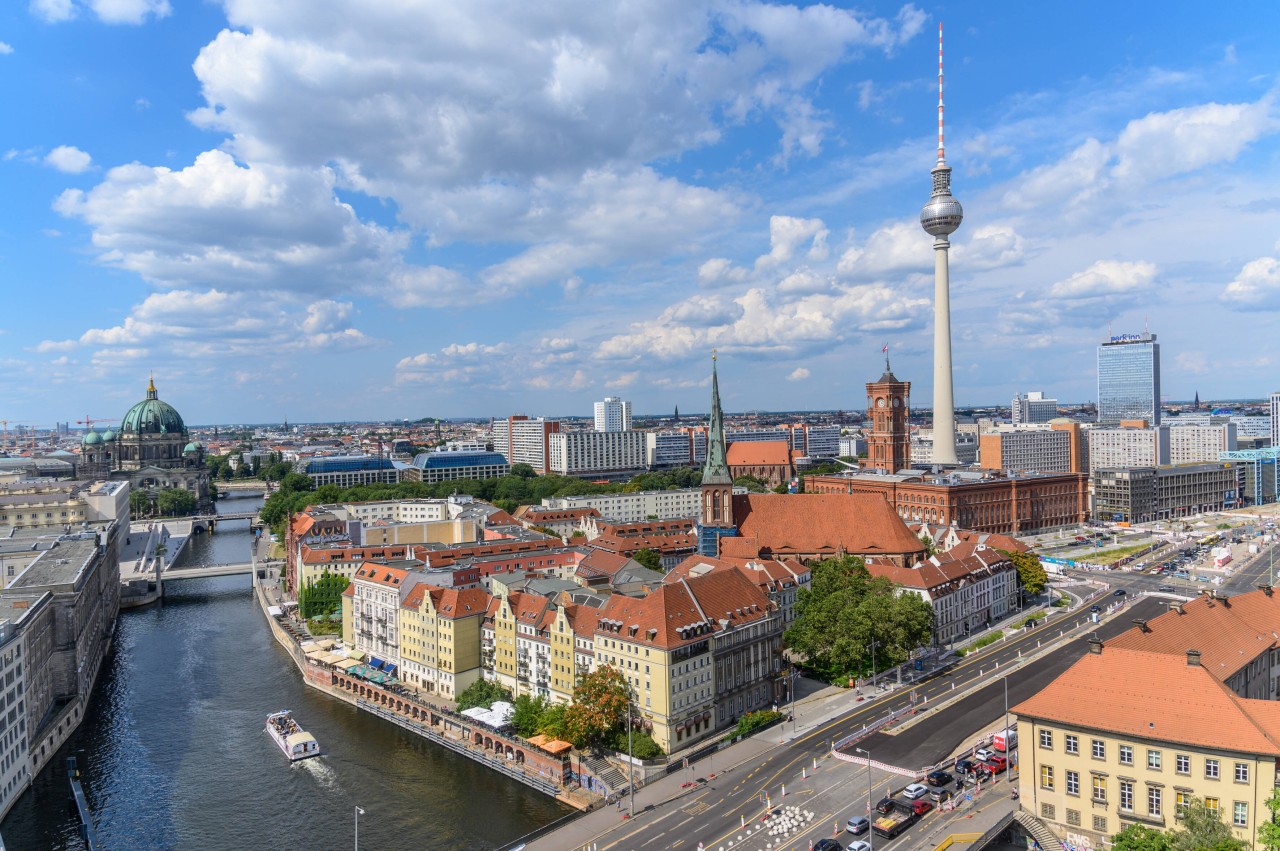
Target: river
173,754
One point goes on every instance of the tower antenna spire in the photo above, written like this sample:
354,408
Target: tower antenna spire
942,154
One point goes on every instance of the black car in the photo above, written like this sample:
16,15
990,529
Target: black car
1119,592
885,805
1095,608
827,845
939,778
964,766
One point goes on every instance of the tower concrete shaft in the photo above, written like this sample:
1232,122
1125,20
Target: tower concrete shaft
944,410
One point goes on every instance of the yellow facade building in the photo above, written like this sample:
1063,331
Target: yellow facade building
440,638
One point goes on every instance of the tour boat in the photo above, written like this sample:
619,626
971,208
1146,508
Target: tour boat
295,742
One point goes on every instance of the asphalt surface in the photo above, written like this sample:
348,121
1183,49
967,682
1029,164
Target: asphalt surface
720,808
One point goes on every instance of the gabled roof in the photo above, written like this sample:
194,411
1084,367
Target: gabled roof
454,603
941,574
685,611
1229,633
1156,696
858,523
758,453
767,574
381,574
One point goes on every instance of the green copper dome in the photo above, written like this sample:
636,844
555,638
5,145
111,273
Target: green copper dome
108,436
193,446
91,438
151,416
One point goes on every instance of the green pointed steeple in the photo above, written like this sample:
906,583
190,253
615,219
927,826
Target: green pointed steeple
716,470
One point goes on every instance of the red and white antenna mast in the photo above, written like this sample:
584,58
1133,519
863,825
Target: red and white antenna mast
942,156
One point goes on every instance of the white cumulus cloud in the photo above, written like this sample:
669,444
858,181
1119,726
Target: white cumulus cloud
1256,286
68,159
1106,278
800,373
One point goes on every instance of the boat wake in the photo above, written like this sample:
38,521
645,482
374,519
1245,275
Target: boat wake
317,768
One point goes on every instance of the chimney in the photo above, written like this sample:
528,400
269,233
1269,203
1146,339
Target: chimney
1095,644
1177,607
1193,658
1265,589
1142,624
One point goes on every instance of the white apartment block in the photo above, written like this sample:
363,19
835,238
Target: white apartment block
966,448
1030,447
1128,446
613,414
1189,444
852,446
675,448
1275,418
399,511
525,441
1032,407
582,453
635,507
820,441
375,610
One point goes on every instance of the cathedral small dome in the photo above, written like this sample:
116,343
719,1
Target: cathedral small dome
91,438
193,446
108,436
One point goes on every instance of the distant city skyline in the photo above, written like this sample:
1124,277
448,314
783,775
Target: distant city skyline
284,218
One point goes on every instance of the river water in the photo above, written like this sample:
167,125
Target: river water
173,753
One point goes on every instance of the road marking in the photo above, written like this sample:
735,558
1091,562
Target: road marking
697,809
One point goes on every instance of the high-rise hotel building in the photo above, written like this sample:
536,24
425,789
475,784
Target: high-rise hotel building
1129,379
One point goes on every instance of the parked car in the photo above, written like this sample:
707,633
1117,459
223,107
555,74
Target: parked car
997,763
885,806
858,825
939,778
915,790
983,754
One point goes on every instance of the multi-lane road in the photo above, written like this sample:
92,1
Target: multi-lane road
714,815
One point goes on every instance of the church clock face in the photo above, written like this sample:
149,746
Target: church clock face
896,401
880,403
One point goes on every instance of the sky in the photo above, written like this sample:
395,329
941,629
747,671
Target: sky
322,210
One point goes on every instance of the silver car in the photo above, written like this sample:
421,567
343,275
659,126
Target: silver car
858,825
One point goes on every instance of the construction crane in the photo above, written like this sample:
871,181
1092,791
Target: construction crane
88,421
6,424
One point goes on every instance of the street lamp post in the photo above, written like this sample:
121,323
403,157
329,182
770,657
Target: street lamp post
359,812
631,759
870,833
791,689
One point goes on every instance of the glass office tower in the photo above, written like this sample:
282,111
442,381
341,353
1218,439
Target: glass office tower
1129,379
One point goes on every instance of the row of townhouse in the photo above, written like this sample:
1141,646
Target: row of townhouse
699,650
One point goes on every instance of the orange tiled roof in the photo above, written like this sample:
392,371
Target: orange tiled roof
1156,696
371,571
1229,633
823,524
767,574
456,603
759,453
684,611
944,575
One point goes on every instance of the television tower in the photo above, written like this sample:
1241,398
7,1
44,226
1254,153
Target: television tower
940,218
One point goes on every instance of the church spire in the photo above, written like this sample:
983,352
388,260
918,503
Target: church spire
151,386
716,470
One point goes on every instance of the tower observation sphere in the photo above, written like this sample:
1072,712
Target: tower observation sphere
943,214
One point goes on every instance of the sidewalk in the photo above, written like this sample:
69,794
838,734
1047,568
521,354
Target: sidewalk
810,712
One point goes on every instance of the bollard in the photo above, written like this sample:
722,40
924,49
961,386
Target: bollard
836,830
804,774
815,763
784,790
742,822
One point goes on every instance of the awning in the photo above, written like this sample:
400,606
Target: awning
349,664
390,669
557,746
376,663
358,655
275,611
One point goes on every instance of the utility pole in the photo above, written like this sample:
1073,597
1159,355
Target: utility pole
870,833
631,759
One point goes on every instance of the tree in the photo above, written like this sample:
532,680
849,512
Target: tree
1139,837
752,483
600,701
481,693
551,722
175,502
139,504
649,558
930,548
527,716
1269,830
844,610
523,471
1203,828
1030,572
322,597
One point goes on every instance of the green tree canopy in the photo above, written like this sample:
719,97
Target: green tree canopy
649,558
1139,837
176,502
1030,572
1203,830
844,609
527,715
752,483
481,693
